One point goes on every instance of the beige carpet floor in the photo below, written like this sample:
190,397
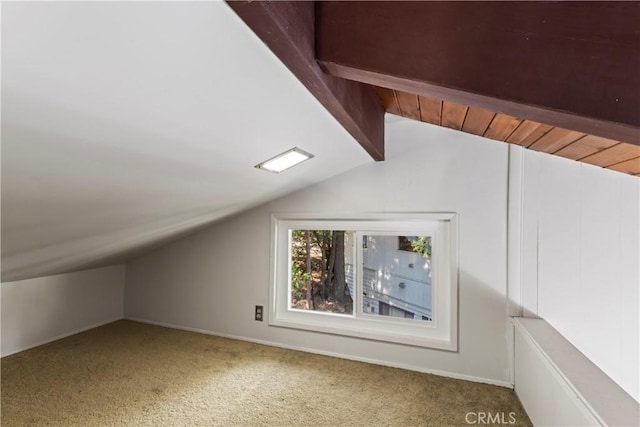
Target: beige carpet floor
132,374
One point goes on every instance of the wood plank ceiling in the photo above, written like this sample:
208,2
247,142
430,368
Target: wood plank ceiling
336,49
609,154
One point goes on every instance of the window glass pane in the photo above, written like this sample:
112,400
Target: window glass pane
397,276
322,271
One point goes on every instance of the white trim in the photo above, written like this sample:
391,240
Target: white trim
367,216
530,251
64,335
441,333
511,351
514,231
515,193
437,372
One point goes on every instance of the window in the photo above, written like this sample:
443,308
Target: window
385,277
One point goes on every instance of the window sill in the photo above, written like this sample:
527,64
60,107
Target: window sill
367,328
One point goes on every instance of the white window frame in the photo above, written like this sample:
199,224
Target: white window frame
440,333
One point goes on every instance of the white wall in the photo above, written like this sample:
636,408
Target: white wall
37,311
211,280
581,259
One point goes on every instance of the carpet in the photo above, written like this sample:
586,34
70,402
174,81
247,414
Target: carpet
133,374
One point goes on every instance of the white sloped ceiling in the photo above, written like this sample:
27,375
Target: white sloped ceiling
125,124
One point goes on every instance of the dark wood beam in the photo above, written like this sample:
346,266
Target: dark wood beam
574,65
288,29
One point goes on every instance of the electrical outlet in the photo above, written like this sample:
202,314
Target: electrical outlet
259,313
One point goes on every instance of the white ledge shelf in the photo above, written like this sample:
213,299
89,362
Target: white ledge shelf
603,398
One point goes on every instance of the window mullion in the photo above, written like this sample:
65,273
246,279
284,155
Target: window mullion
359,274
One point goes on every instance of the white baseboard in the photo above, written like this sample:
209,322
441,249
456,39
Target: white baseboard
330,353
61,336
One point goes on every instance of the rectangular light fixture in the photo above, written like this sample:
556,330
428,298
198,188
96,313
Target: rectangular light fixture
286,160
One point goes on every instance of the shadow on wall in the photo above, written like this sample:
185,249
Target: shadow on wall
482,313
207,281
194,283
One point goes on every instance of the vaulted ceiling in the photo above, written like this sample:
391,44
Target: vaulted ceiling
607,153
127,124
558,77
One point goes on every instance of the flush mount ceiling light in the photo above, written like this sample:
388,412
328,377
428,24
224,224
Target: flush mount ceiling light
286,160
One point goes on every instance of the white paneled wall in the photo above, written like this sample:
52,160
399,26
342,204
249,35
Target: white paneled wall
581,260
629,308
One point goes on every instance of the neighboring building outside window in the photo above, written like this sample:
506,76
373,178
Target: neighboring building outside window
389,277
